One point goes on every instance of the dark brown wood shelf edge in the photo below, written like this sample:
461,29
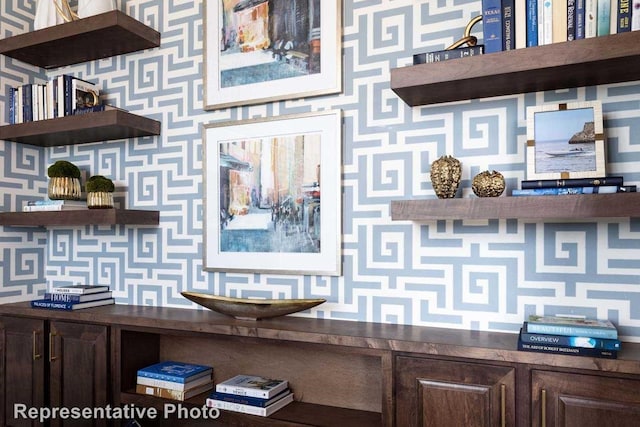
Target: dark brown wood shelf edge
81,217
578,63
92,127
95,37
579,206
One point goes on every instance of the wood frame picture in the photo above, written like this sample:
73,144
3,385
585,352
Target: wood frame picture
259,51
565,141
273,199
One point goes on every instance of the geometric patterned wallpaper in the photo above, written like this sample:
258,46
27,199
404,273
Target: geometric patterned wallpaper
478,275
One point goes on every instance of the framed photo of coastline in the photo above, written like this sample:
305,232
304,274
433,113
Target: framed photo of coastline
565,141
273,194
259,51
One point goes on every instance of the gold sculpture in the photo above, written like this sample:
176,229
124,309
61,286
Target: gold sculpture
64,10
468,38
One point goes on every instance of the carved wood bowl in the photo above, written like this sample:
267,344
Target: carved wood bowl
251,309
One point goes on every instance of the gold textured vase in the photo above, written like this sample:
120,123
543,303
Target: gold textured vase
488,184
64,188
99,200
446,173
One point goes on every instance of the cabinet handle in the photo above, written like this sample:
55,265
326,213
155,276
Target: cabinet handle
52,346
543,410
36,355
503,405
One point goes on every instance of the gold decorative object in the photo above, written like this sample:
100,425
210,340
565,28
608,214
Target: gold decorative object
468,38
488,184
446,173
251,309
99,200
64,188
64,10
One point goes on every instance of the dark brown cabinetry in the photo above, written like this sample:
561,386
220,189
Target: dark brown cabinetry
52,364
577,400
442,393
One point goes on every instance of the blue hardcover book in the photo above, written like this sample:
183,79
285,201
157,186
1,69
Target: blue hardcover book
579,15
569,341
492,25
68,101
572,351
623,20
532,23
571,326
572,182
27,108
571,20
508,25
248,400
12,100
175,371
559,191
59,305
604,18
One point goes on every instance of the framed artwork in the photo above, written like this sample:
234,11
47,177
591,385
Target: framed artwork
273,197
266,50
565,141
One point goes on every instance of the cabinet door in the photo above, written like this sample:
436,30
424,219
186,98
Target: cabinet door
21,368
576,400
441,393
78,357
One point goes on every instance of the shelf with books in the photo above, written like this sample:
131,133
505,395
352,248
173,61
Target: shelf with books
575,206
79,129
81,217
95,37
585,62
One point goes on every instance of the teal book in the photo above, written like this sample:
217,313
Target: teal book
571,326
569,341
604,18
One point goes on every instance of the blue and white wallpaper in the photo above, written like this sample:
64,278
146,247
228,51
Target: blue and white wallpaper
480,275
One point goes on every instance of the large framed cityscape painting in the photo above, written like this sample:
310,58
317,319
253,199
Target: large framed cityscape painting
565,141
273,199
267,50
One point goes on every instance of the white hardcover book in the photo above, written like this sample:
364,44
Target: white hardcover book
547,21
635,15
613,23
590,18
60,84
172,385
539,17
252,385
79,289
559,21
249,409
521,23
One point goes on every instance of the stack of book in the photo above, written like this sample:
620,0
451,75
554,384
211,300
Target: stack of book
54,205
250,394
174,380
554,187
75,297
569,335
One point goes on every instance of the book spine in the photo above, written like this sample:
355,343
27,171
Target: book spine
168,393
27,107
579,19
12,100
236,407
575,182
154,382
68,101
559,21
570,341
492,25
240,391
101,107
52,305
576,351
62,297
532,23
577,331
547,22
241,400
590,18
171,378
443,55
574,190
613,17
508,28
623,21
42,208
571,20
604,18
76,291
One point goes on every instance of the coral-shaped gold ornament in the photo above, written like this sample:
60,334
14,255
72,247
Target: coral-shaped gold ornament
446,173
488,184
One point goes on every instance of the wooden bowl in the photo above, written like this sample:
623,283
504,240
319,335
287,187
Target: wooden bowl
251,309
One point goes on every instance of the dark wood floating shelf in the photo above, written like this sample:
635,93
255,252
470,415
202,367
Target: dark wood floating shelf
96,37
582,206
90,127
599,60
81,217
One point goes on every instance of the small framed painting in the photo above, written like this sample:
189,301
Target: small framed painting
273,195
565,141
259,51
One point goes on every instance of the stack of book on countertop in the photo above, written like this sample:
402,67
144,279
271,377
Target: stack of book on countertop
250,394
174,380
576,336
75,297
553,187
54,205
